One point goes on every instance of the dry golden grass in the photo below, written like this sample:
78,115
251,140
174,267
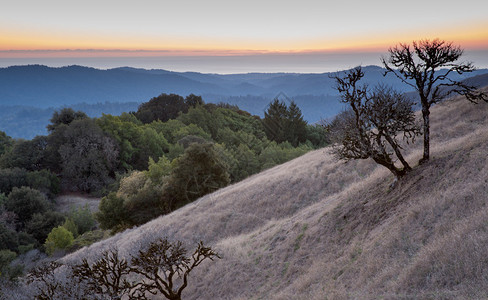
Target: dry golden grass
66,203
316,228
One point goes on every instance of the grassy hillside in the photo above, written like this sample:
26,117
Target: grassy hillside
316,228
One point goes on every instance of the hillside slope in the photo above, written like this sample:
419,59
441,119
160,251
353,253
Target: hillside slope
316,228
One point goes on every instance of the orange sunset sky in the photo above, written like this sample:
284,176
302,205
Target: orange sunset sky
232,36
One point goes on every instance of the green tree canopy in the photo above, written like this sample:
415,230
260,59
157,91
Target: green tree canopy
111,212
199,171
24,154
25,202
41,224
88,157
6,142
166,107
8,238
58,239
65,116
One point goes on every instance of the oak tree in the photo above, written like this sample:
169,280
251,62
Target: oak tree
426,66
163,263
373,123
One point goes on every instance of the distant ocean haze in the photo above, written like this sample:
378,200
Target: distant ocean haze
260,63
313,62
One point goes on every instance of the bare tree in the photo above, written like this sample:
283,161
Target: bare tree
163,263
426,66
163,267
46,280
107,276
369,129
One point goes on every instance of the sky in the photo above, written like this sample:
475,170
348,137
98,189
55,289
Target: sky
216,36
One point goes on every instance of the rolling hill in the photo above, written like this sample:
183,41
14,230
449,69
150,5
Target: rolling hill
318,228
30,94
41,86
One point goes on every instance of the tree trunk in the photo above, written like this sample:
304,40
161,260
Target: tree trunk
398,153
425,115
390,166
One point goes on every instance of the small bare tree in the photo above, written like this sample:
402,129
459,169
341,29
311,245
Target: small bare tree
371,126
164,268
426,66
49,285
163,263
106,277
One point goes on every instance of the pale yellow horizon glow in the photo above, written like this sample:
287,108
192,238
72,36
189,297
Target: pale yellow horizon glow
473,36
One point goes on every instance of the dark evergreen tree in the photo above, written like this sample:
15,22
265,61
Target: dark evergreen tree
296,129
282,123
274,121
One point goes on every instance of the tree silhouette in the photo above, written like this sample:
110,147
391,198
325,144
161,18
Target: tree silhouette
284,123
369,129
426,66
65,116
162,263
166,107
108,276
162,268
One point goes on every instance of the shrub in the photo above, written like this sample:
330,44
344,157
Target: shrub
44,181
26,242
158,171
58,238
8,238
199,171
88,238
131,184
111,212
146,205
6,257
83,219
10,178
25,202
7,270
71,227
42,223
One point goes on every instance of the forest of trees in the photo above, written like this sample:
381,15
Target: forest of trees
143,164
